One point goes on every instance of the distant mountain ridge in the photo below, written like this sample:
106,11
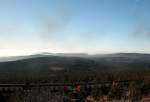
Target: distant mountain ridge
47,54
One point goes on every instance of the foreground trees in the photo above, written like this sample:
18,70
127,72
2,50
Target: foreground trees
135,86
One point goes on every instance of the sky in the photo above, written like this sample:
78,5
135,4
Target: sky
74,26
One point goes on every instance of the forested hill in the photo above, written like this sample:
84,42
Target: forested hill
50,63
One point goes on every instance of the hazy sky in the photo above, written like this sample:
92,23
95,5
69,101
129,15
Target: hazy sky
93,26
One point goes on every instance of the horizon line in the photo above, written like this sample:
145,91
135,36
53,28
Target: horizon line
59,53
